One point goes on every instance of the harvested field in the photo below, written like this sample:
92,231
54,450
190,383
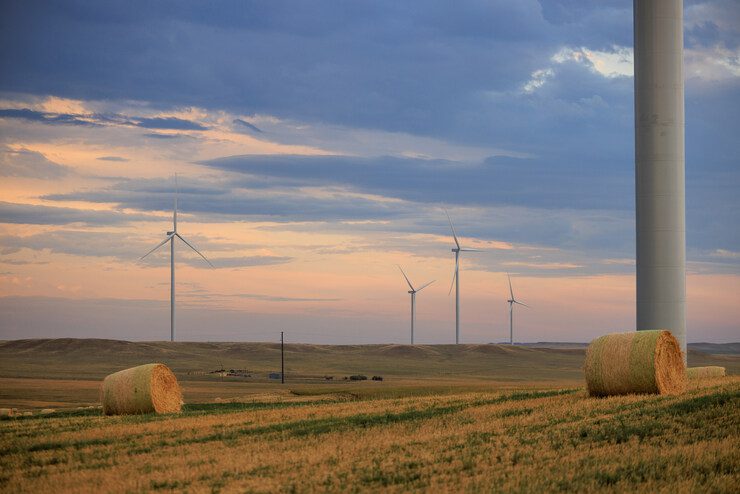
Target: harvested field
482,418
533,441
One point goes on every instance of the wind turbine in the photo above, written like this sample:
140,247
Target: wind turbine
171,235
413,293
512,301
456,278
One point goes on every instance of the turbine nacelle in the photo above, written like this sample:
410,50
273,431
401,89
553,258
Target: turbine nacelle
456,276
413,291
170,237
511,302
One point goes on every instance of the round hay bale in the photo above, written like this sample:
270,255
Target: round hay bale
143,389
635,362
6,412
705,372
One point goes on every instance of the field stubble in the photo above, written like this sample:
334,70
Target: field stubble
523,441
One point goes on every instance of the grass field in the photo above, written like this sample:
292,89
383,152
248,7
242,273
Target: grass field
470,418
526,441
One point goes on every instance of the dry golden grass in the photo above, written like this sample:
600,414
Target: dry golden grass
525,441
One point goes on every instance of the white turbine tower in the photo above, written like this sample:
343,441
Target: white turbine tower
171,238
413,293
512,301
456,278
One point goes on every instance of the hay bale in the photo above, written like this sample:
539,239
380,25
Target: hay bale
47,411
143,389
6,412
635,362
705,372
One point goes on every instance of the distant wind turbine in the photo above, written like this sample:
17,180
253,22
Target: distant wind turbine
456,278
171,238
413,293
512,301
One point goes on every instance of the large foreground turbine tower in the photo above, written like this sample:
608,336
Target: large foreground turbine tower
659,167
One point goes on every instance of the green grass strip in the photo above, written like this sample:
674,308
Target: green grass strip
326,425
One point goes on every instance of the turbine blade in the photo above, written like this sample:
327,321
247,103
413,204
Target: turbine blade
525,305
194,249
511,290
407,278
454,234
472,250
454,275
174,211
160,244
424,286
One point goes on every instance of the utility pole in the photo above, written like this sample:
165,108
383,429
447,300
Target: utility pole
282,359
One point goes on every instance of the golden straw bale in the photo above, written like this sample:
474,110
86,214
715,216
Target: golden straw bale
705,372
143,389
6,412
635,362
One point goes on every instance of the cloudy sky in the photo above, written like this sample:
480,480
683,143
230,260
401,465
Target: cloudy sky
318,144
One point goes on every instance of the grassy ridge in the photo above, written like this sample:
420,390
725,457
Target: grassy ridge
527,441
37,374
94,359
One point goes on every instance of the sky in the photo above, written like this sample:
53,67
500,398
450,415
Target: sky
317,146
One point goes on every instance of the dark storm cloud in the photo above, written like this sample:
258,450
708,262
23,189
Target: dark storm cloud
588,193
95,120
450,70
238,203
45,117
352,63
497,181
